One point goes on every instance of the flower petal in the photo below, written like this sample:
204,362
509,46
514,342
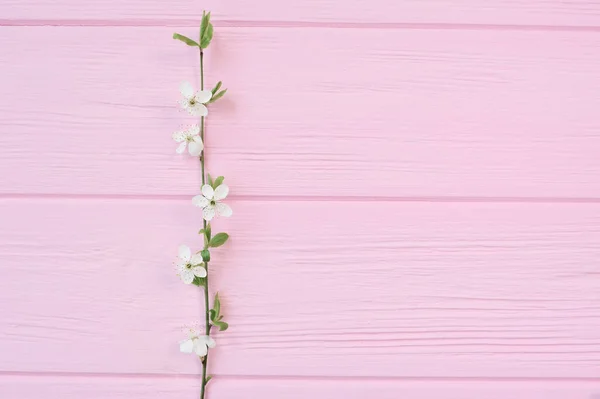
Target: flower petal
196,259
207,340
210,342
185,103
186,346
194,332
199,271
180,266
208,213
191,109
200,109
185,253
197,109
200,348
208,191
195,148
181,148
179,136
203,110
204,96
200,201
221,192
194,130
187,276
224,210
186,89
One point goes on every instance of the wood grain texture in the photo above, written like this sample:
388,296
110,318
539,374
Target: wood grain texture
186,388
310,288
363,113
511,12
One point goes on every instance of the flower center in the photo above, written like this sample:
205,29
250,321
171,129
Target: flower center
193,101
188,266
213,202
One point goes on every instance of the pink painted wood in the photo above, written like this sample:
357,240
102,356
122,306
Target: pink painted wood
320,289
26,387
415,192
365,113
511,12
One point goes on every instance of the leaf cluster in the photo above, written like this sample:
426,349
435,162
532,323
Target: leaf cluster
216,319
216,94
205,37
211,242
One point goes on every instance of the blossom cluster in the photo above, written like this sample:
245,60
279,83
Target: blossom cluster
196,342
210,199
192,267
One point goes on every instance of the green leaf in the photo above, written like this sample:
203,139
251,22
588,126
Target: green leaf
217,305
217,87
207,37
218,240
204,24
206,30
219,95
206,240
221,325
207,235
215,315
185,39
200,282
218,181
209,179
205,255
208,232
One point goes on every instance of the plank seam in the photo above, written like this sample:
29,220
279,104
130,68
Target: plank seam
53,374
296,24
308,198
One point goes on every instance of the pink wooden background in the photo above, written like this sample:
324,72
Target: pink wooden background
416,188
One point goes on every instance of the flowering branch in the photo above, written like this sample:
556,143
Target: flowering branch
193,269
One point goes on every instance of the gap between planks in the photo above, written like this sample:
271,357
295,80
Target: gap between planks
292,377
312,198
295,24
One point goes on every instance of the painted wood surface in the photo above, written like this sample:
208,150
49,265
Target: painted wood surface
507,12
348,289
365,113
415,187
25,387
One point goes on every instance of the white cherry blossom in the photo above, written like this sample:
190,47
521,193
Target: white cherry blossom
197,343
189,138
193,101
189,266
210,203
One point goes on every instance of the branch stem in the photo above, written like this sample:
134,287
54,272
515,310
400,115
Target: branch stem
206,301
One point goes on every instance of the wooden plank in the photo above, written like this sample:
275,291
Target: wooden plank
358,112
310,288
65,387
511,12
